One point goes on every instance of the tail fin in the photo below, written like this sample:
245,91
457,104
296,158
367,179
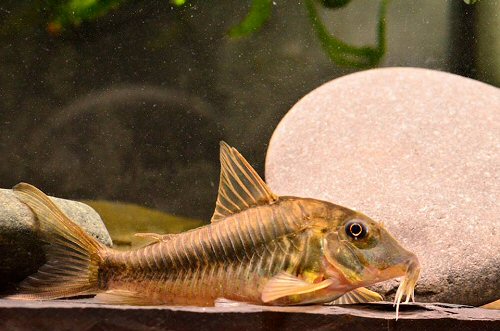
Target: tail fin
73,257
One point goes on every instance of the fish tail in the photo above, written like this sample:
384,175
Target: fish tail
73,257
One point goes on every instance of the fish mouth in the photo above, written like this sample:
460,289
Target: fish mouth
407,285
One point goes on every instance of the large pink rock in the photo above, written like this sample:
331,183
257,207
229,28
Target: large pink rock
416,149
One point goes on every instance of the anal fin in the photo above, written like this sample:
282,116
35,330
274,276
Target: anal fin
125,297
359,295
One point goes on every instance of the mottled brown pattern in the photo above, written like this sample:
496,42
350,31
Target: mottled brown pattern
232,259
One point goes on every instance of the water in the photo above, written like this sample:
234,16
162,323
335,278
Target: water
131,105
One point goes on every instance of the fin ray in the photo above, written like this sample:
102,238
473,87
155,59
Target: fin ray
359,295
155,236
124,297
72,255
285,284
240,187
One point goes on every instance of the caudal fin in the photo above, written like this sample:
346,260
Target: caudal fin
73,257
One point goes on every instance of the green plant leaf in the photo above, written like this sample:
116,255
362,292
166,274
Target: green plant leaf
259,13
334,3
73,12
344,54
178,3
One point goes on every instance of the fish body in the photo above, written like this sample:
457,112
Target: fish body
259,248
234,258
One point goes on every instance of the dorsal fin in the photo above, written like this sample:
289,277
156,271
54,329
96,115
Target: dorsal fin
240,186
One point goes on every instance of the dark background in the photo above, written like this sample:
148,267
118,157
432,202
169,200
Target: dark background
131,106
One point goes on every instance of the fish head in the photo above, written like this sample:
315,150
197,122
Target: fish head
363,252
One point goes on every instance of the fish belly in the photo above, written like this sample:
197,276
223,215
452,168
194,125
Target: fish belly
198,287
233,259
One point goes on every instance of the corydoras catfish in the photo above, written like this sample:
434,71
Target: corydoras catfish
259,248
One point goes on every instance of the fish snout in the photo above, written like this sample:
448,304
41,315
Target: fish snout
404,265
413,268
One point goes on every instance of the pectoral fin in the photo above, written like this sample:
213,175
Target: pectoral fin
359,295
285,284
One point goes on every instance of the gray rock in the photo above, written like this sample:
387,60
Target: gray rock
21,251
416,149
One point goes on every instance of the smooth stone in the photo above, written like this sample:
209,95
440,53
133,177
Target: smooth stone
21,251
416,149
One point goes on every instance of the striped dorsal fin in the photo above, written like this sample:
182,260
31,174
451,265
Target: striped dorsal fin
240,186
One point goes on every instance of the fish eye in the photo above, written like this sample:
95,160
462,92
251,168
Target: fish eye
356,230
